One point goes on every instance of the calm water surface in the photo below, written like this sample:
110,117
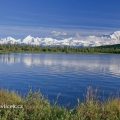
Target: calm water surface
67,74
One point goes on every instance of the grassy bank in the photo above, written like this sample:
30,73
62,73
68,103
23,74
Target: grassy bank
35,107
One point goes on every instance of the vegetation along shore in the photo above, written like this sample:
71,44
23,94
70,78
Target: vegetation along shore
34,106
65,49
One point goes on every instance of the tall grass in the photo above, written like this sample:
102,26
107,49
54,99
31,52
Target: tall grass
35,107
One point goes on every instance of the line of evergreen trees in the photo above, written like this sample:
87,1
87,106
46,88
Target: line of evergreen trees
65,49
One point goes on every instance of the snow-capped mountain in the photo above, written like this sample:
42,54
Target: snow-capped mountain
115,35
78,40
9,40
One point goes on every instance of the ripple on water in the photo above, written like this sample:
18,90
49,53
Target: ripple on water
68,74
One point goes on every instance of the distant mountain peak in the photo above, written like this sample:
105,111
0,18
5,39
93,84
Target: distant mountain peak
29,36
9,37
77,40
115,35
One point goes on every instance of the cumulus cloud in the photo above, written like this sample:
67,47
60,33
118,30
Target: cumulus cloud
55,33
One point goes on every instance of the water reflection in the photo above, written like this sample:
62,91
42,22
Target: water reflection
10,59
59,62
68,74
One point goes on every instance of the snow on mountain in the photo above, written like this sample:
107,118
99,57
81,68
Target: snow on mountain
115,35
77,40
28,40
9,40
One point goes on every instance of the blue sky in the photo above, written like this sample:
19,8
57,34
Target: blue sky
19,18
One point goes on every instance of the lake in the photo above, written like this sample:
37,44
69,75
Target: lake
55,73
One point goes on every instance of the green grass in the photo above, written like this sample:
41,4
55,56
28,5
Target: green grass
36,107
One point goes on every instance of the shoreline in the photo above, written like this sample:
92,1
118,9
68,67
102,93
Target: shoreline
109,49
35,106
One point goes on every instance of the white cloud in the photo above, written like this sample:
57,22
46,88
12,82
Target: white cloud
55,33
63,31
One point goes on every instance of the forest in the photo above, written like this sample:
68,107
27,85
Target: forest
65,49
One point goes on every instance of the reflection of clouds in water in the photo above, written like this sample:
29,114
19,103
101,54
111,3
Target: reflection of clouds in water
61,62
27,60
115,69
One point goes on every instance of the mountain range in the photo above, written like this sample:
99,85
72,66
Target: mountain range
77,40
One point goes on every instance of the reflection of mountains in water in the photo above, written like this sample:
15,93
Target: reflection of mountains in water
104,63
